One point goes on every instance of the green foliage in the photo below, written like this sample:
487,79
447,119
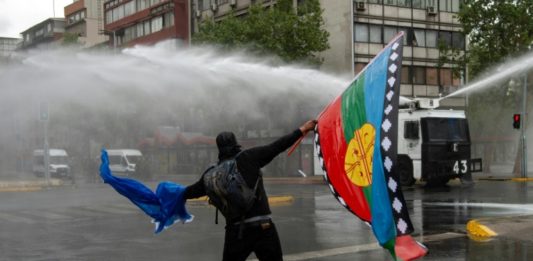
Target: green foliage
293,35
497,31
70,38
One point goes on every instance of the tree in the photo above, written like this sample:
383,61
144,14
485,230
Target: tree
293,35
497,30
70,39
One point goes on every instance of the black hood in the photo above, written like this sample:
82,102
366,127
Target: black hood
227,145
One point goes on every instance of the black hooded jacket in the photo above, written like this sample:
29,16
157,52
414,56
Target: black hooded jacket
250,162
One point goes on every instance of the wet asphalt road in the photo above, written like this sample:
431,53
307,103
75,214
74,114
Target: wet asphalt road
93,222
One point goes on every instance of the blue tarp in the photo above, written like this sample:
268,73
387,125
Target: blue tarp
166,206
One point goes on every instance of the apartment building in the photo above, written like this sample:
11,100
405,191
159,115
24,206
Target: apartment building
360,29
8,46
43,33
130,22
85,19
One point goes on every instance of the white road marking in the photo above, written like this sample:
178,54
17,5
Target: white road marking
360,248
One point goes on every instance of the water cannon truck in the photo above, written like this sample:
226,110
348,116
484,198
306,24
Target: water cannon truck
433,144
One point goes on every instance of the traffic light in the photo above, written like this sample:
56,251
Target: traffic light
516,121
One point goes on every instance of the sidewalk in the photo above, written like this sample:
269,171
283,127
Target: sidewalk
13,181
503,172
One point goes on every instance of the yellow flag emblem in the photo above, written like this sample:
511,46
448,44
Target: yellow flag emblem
358,160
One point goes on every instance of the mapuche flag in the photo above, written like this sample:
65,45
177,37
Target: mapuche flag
356,140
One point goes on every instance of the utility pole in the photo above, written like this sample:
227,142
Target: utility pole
523,128
54,7
43,117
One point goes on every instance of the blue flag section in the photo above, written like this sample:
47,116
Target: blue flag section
166,206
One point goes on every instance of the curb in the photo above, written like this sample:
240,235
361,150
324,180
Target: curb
478,232
26,186
506,179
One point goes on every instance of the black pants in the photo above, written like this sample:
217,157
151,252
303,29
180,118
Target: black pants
260,238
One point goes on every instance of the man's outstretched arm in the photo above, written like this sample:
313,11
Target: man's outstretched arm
265,154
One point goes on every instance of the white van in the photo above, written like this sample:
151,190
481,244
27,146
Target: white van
124,161
58,164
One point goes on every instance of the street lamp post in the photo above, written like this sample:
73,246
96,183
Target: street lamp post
523,128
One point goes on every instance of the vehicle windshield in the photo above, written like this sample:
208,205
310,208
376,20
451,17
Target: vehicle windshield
58,160
446,129
115,160
134,159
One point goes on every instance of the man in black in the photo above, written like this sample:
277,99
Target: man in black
258,234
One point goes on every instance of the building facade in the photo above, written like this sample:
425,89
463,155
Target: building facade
85,20
130,22
45,32
8,46
360,29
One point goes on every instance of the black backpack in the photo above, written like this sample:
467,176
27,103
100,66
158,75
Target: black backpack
228,191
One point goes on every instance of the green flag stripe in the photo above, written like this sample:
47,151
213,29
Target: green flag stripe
353,108
354,116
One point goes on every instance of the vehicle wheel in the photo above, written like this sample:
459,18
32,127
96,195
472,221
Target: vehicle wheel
405,168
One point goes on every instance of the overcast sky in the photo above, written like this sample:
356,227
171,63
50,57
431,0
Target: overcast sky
18,15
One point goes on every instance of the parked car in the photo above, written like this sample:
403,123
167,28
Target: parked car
58,163
124,161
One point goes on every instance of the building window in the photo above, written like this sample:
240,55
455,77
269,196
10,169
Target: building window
139,29
419,37
129,34
39,32
431,76
120,12
361,33
147,27
458,40
456,81
203,4
129,8
157,24
456,5
375,1
388,33
115,15
109,16
431,38
359,67
390,2
375,34
419,4
419,75
142,4
406,35
406,75
168,20
445,38
404,3
445,77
